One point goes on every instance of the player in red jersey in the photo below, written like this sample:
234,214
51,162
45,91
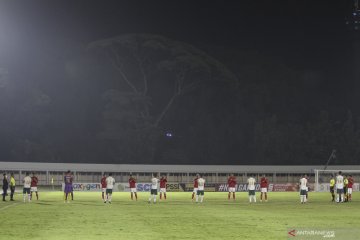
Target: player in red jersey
163,182
132,185
264,186
103,187
33,186
350,186
195,186
231,186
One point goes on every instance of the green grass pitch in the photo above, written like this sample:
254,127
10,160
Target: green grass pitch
176,218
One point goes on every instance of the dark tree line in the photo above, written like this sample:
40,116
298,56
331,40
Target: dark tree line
142,98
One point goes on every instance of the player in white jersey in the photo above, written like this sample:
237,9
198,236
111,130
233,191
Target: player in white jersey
303,189
201,188
154,187
27,185
110,181
251,188
339,187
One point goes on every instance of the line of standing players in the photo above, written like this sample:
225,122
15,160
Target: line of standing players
107,184
264,184
343,186
29,187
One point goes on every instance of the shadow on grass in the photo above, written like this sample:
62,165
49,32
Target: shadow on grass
42,203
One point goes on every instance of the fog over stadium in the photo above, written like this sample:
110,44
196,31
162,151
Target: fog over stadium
180,82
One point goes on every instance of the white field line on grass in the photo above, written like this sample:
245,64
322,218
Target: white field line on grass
11,205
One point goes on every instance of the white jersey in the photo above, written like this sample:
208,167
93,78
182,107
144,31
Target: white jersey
110,182
27,182
339,182
154,183
303,183
201,184
251,183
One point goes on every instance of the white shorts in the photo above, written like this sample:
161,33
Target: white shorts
33,189
104,190
307,189
133,190
264,190
195,190
163,190
349,190
232,189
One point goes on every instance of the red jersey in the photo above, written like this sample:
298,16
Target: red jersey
103,182
263,182
232,182
34,181
351,182
132,182
196,183
163,182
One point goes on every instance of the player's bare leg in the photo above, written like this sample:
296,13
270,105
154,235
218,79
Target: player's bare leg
165,196
265,197
102,196
229,196
233,196
135,196
37,196
31,195
160,196
192,197
72,196
261,196
132,197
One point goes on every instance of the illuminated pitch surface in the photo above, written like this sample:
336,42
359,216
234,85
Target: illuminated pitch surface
177,218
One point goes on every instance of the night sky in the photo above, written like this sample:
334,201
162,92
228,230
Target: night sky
316,27
38,36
